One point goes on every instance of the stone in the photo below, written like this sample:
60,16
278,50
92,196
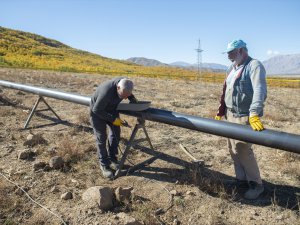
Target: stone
176,221
99,195
159,211
24,154
54,189
123,194
47,168
174,192
56,162
34,139
66,196
128,220
190,193
29,137
39,165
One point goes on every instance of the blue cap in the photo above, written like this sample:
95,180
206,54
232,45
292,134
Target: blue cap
234,45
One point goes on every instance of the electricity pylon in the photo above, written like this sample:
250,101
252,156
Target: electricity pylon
199,58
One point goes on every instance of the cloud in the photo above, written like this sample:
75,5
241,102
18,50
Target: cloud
272,52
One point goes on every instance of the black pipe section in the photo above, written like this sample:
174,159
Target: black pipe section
270,138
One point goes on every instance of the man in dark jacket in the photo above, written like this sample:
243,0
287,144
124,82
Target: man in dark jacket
103,112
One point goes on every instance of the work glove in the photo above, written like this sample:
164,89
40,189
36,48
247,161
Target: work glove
255,123
218,117
117,122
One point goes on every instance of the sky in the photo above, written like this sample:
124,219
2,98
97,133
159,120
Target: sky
165,30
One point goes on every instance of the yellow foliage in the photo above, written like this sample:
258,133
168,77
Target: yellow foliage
26,50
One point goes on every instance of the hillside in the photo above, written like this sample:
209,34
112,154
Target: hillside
23,49
146,62
26,50
20,49
283,64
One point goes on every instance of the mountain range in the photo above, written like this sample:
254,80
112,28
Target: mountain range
277,65
153,62
283,64
27,50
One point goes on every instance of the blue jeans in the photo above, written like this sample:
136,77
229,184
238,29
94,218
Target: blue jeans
99,127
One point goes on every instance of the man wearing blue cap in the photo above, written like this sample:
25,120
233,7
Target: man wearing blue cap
242,102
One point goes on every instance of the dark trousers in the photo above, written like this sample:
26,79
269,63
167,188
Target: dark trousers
99,127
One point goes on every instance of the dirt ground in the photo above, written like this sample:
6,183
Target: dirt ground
203,192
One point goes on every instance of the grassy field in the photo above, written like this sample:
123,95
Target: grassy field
172,190
25,50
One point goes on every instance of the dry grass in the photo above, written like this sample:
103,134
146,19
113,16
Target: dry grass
210,183
83,118
144,211
41,217
37,139
276,116
5,195
291,157
211,204
8,203
70,150
290,164
6,112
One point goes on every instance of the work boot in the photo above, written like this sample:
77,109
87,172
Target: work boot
114,164
254,190
241,184
106,172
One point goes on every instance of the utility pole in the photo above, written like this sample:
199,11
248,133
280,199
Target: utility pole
199,58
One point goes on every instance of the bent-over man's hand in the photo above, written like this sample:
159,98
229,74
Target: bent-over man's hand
117,122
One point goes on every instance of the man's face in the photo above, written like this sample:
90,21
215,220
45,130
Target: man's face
235,56
124,94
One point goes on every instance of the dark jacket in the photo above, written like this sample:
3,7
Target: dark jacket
105,100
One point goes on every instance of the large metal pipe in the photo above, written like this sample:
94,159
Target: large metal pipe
69,97
270,138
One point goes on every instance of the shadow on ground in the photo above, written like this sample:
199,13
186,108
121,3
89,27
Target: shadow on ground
218,184
212,182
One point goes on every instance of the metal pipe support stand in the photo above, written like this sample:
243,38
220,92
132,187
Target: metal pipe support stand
140,125
34,110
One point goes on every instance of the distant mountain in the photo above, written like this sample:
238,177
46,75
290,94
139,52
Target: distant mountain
214,66
152,62
283,65
205,66
180,64
146,62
